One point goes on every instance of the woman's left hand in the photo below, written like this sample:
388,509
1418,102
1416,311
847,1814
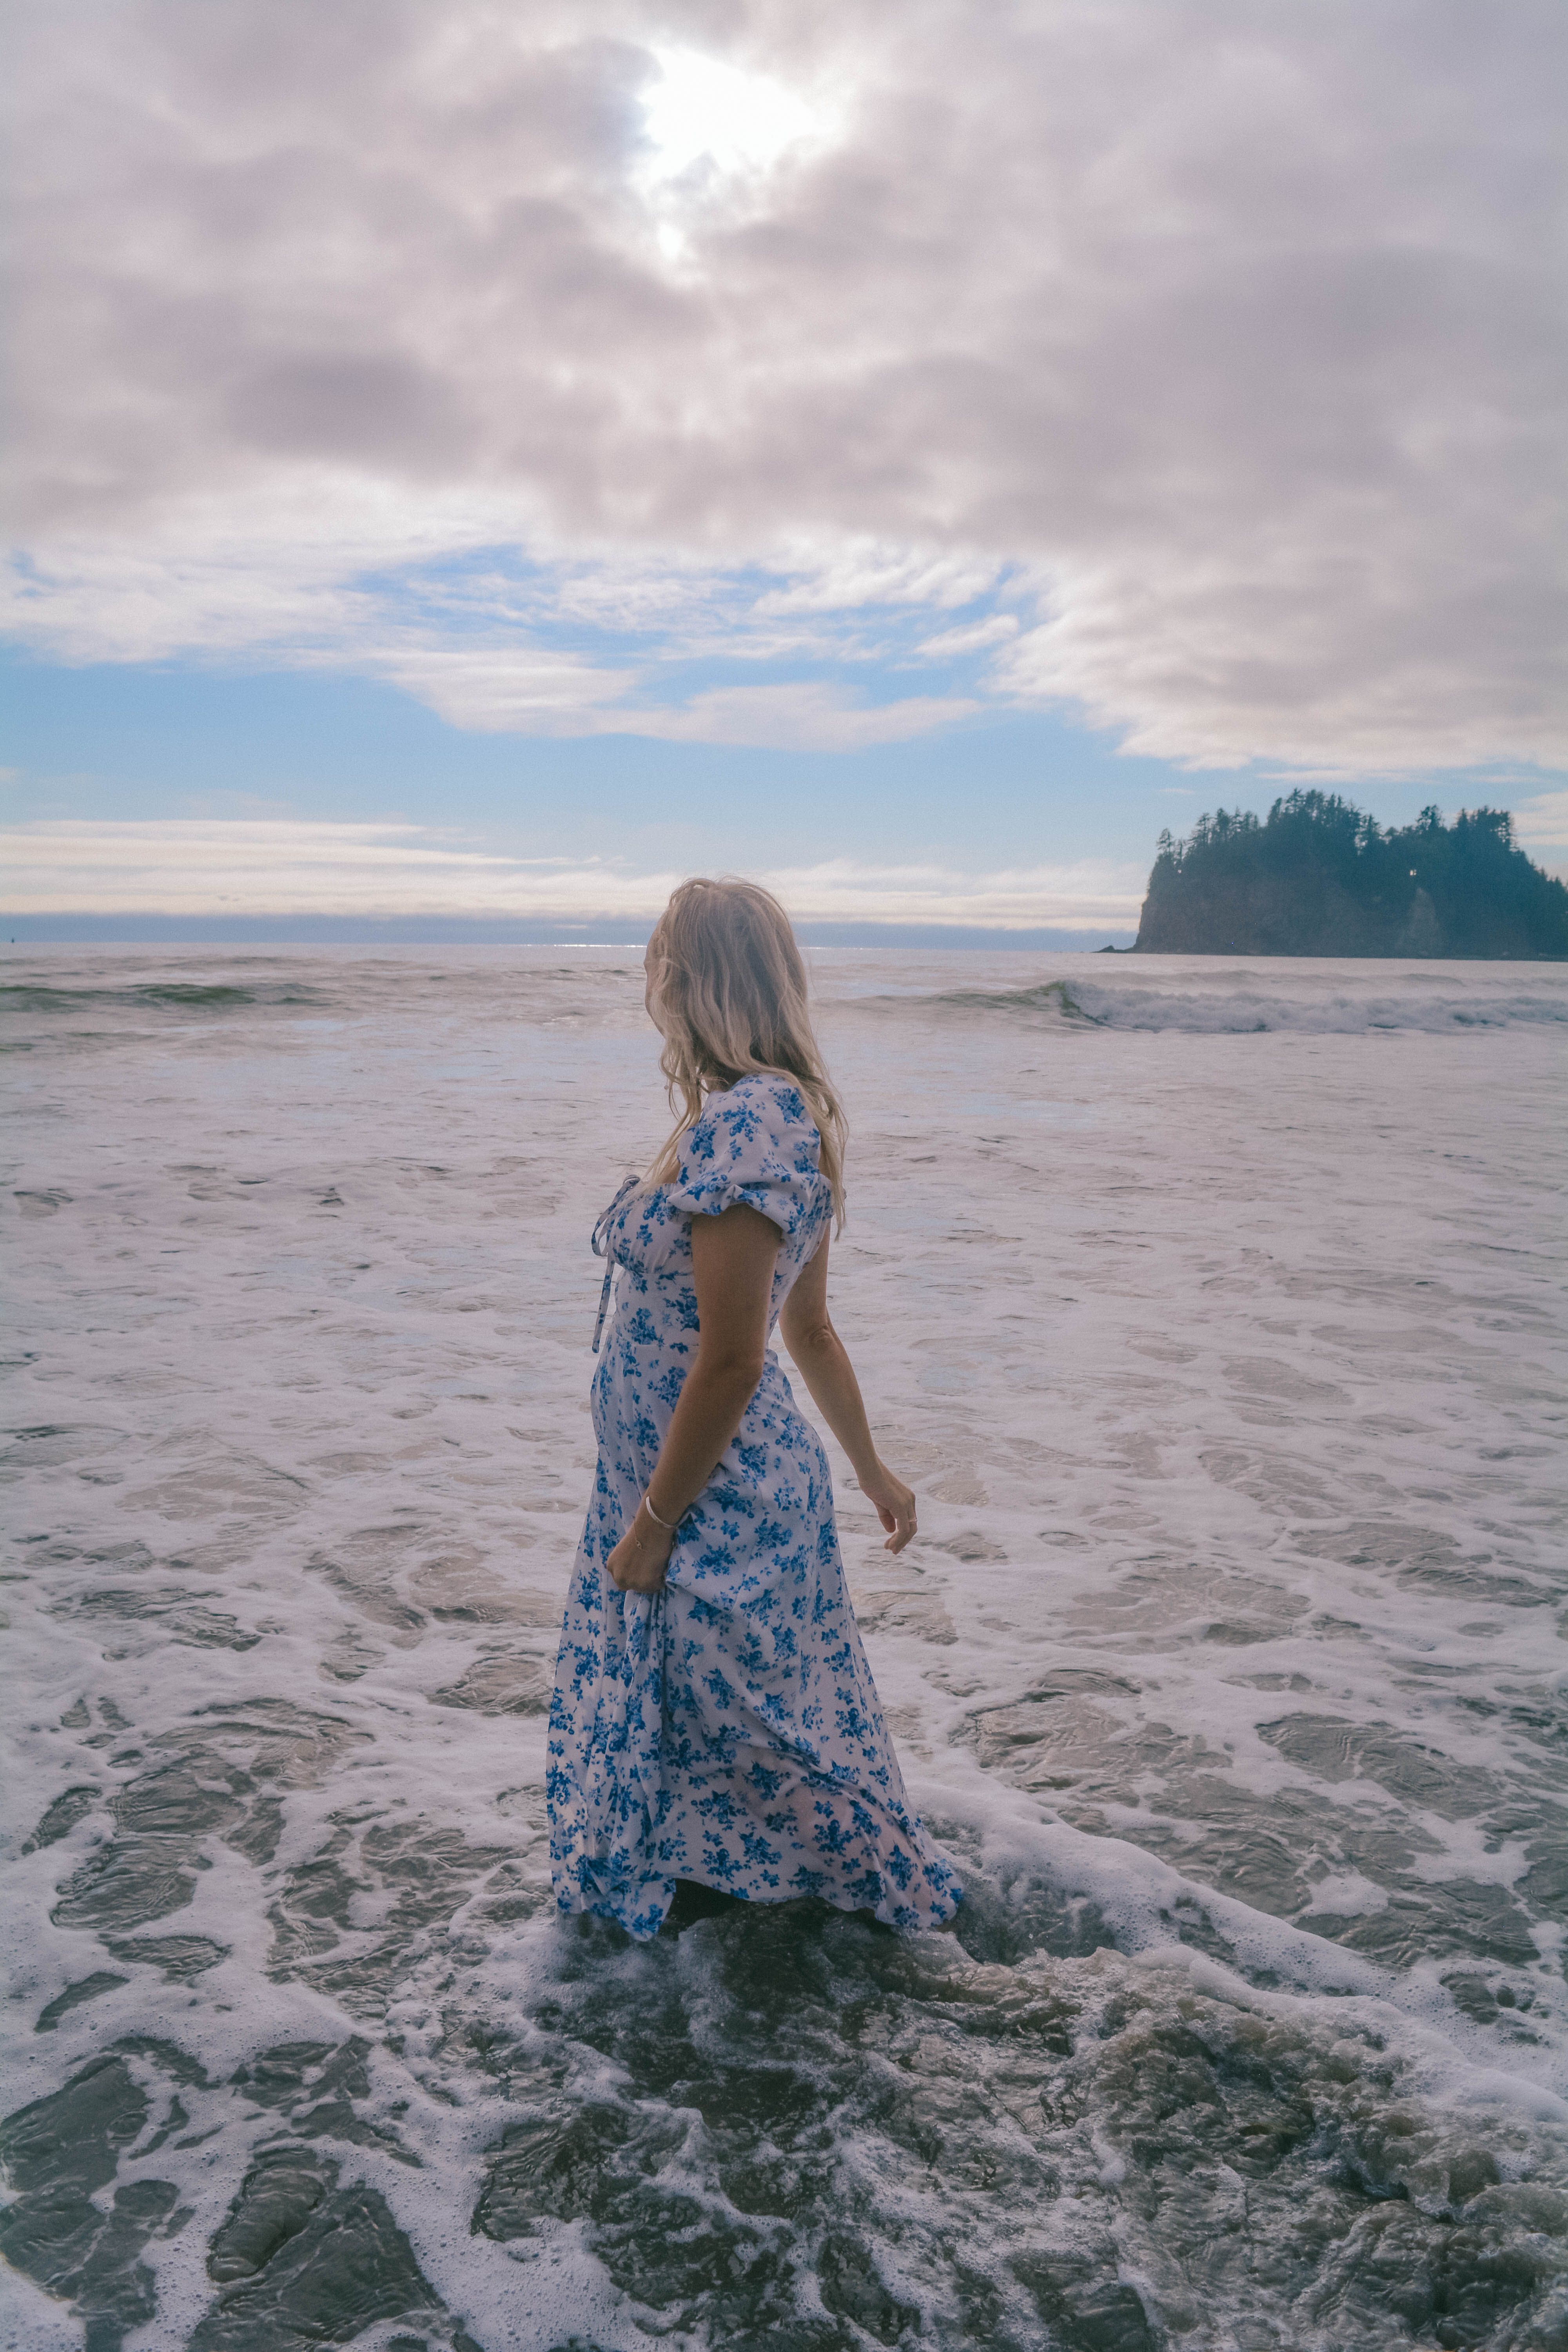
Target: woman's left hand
638,1561
893,1504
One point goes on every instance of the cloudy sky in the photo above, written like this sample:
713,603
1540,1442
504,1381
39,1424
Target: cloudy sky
487,459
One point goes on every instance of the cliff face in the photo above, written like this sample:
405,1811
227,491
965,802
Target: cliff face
1318,878
1267,916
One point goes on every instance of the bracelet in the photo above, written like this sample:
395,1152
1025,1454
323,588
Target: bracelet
670,1527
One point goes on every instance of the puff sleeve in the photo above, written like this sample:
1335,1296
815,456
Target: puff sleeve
757,1143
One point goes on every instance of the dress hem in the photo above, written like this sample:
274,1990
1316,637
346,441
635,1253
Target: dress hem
604,1909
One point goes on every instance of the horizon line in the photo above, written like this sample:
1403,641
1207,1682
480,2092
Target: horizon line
436,931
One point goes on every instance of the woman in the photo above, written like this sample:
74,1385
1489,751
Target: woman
714,1718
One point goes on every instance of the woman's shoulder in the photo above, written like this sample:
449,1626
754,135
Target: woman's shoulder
761,1092
757,1088
756,1143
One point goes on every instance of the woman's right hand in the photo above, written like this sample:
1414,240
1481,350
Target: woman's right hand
639,1560
894,1505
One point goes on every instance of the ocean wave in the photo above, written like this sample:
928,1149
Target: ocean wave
1218,1670
179,996
113,1000
1220,1010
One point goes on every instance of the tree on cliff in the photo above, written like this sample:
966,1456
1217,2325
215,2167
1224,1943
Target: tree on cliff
1319,876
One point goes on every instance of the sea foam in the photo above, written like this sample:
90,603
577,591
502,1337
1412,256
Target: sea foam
1209,1306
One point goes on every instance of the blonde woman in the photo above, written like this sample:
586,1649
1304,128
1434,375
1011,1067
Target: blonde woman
714,1718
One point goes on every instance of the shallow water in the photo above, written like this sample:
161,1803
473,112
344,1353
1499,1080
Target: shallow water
1209,1306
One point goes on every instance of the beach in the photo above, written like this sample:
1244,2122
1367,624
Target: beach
1210,1307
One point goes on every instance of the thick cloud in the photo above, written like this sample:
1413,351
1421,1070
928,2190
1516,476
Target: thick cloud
1196,363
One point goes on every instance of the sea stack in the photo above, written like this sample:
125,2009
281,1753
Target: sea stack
1319,878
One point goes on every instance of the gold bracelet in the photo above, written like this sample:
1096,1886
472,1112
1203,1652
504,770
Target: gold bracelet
669,1525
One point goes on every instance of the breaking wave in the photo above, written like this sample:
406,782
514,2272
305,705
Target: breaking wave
1233,1005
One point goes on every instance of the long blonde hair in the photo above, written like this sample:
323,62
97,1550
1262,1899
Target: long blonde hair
731,994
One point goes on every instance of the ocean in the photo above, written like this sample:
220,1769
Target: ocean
1210,1307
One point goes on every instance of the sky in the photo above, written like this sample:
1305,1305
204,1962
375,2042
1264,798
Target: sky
471,465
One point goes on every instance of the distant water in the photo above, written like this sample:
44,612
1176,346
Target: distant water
1208,1305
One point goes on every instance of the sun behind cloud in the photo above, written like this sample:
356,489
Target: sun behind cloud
1208,353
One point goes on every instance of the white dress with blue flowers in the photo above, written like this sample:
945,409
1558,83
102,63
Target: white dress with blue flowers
725,1729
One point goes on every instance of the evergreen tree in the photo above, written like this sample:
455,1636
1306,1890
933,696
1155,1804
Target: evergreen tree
1319,876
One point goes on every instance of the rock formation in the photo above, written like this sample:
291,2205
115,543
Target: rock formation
1319,878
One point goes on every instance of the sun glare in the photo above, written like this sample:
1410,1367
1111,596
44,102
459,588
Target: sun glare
702,111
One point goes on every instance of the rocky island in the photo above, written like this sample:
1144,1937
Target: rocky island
1319,878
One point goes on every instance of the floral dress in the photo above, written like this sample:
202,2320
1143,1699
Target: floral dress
725,1729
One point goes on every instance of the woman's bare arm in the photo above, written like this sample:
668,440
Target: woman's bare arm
824,1365
732,1260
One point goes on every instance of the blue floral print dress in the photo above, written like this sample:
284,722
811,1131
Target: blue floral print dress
725,1729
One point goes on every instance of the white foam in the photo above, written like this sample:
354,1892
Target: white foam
1220,1361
